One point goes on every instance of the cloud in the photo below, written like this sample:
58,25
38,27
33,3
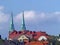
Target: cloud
30,15
3,16
4,19
33,15
27,15
1,7
57,13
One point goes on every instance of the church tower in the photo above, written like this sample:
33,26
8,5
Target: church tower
23,22
11,23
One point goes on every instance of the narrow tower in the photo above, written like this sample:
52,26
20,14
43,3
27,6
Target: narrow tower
23,22
12,24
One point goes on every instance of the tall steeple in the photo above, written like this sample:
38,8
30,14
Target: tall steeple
23,22
12,24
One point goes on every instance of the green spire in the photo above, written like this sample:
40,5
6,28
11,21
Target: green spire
23,23
12,25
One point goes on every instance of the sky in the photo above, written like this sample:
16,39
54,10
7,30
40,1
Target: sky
40,15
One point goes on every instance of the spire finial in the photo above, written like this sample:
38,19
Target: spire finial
12,25
23,22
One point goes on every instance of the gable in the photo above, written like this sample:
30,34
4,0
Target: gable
41,38
22,37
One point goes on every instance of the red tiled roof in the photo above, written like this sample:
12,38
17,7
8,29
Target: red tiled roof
38,43
38,34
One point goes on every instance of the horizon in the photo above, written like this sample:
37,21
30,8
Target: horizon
39,15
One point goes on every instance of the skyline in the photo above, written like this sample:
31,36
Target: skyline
39,15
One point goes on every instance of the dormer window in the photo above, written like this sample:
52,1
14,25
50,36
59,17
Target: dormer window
30,32
16,32
19,32
34,32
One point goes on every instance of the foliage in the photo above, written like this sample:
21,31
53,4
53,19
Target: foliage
57,43
1,41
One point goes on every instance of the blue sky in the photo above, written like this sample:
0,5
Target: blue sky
40,15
